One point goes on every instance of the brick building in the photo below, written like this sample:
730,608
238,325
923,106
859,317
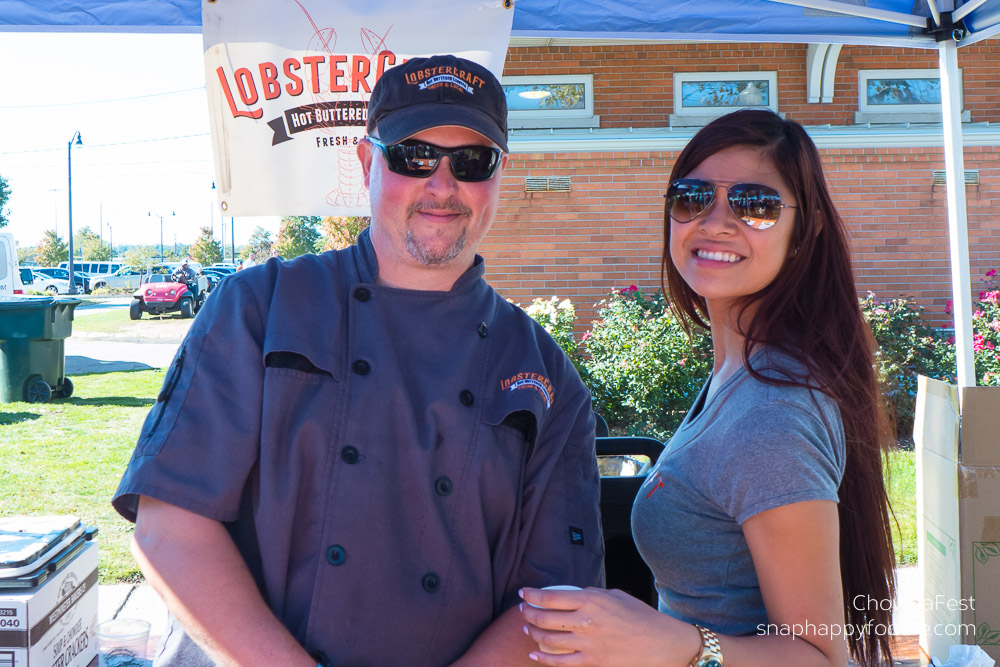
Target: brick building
581,211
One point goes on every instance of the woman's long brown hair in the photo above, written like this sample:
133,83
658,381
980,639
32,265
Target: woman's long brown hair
811,312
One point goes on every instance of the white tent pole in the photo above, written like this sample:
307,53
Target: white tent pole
958,234
967,8
935,12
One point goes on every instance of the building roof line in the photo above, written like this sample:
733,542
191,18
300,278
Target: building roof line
600,140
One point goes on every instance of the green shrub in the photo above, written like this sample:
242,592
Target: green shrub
642,369
907,347
558,318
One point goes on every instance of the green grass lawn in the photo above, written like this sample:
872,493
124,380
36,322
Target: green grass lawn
117,320
66,457
102,321
902,480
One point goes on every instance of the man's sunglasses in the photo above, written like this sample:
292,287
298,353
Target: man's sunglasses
759,206
472,164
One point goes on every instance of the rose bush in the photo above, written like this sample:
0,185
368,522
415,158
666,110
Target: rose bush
644,372
986,332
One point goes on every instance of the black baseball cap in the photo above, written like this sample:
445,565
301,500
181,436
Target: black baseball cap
432,92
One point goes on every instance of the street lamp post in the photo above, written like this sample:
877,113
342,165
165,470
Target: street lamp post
111,241
76,139
157,215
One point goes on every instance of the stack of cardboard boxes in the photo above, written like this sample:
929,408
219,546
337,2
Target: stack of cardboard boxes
48,593
957,436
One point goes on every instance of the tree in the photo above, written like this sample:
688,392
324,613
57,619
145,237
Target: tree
4,197
51,250
206,250
90,246
141,258
340,232
260,244
297,236
25,255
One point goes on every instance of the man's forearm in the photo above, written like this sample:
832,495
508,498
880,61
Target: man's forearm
502,644
192,563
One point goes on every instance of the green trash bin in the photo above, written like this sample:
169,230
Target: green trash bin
33,330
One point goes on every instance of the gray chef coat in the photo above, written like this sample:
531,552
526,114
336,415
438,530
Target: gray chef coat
392,464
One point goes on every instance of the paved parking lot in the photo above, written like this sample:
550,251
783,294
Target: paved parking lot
149,343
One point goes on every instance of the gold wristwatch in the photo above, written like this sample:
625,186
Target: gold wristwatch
711,652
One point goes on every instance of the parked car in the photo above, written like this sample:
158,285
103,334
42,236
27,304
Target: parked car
27,279
125,278
160,294
228,267
80,278
49,284
215,276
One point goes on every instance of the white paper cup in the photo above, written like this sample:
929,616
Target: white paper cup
552,649
122,642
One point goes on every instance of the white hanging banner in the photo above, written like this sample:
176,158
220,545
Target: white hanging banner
288,86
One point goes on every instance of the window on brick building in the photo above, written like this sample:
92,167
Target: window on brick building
701,96
900,96
550,101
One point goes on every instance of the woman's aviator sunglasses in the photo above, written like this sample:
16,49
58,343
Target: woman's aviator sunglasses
759,206
472,164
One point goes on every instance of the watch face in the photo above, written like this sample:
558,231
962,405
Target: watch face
710,662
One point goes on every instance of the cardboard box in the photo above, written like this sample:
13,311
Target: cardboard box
52,624
957,436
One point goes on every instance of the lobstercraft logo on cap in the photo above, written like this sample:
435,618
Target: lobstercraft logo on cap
455,77
539,383
446,78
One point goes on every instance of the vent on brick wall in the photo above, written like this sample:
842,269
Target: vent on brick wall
551,184
971,177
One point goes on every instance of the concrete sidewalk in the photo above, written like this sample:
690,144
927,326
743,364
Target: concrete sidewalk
148,343
133,601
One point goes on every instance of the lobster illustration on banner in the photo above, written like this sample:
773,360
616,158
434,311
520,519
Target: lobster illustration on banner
348,189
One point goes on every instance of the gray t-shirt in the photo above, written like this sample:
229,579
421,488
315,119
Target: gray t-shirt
751,447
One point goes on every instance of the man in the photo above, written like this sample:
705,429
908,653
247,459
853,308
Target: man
185,274
251,260
359,457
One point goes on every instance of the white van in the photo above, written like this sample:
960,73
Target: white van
10,274
94,268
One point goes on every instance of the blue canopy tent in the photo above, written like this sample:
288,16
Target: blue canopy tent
944,25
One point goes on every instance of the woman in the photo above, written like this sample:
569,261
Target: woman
765,520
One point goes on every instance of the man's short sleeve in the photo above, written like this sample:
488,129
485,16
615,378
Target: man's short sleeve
200,440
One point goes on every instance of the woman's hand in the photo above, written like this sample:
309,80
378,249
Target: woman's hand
604,628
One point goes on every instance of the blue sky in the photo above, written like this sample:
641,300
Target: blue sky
139,104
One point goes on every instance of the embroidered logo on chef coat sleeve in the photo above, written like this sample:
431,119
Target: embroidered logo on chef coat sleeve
533,381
